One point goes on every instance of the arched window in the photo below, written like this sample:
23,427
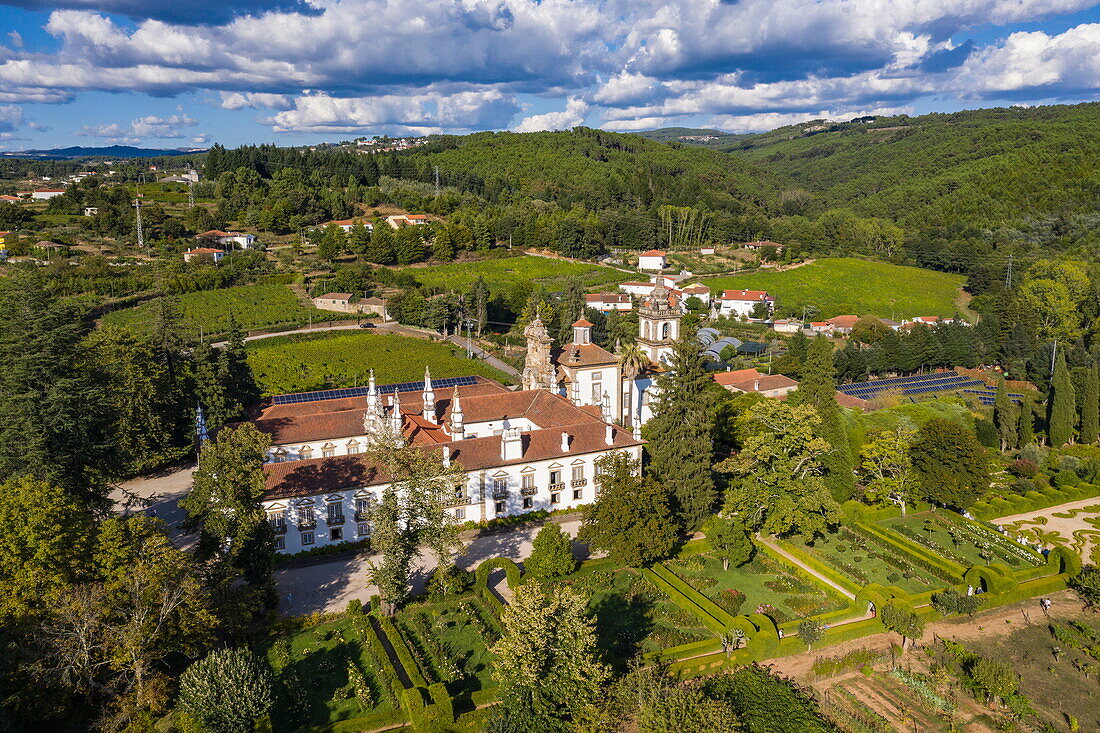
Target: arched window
664,332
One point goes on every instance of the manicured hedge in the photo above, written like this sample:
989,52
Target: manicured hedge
941,567
702,606
382,667
686,651
404,656
1032,501
374,721
680,599
481,580
484,697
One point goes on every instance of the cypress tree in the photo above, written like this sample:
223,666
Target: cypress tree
1004,417
681,434
1090,406
1026,432
1061,406
818,388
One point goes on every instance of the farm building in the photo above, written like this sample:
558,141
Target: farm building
654,259
200,253
743,302
751,380
228,239
607,302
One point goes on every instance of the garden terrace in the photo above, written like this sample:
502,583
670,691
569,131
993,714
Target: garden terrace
864,561
967,543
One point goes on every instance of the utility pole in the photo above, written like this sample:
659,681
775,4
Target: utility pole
140,234
437,180
1008,274
190,194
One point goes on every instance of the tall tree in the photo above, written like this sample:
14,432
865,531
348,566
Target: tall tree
239,383
1090,405
630,518
729,540
1004,417
886,467
1026,432
547,662
480,295
226,691
551,553
818,389
1061,405
56,415
681,432
776,485
952,466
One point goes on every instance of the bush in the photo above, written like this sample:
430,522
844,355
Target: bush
951,601
226,691
730,600
1066,477
355,607
551,554
1025,468
1032,452
449,581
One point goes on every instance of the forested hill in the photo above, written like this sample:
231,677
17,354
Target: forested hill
600,170
987,168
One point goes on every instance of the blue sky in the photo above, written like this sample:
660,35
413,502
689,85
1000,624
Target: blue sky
184,73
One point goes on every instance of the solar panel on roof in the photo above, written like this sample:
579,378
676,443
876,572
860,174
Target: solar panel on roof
339,394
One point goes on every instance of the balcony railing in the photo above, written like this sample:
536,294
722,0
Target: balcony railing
528,491
500,494
336,520
304,525
362,516
278,528
578,482
556,487
454,500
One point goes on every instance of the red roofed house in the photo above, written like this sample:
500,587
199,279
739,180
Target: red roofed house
10,199
750,380
842,324
743,302
200,253
397,221
347,224
607,302
698,290
654,259
822,327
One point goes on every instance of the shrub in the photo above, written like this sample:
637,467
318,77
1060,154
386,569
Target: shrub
226,691
730,600
449,581
551,554
1032,452
1025,468
1066,477
355,607
951,601
364,693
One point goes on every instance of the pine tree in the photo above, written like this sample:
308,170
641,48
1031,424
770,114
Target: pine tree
818,389
481,303
359,239
1061,406
1090,406
1004,417
380,250
680,434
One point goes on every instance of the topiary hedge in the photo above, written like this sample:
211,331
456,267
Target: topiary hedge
1032,501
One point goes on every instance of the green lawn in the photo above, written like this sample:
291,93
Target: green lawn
501,274
306,362
253,306
962,541
764,584
843,286
866,562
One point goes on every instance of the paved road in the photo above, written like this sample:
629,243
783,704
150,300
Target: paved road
158,495
482,354
330,585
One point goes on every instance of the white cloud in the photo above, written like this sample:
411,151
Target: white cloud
143,128
255,100
1033,61
570,117
11,118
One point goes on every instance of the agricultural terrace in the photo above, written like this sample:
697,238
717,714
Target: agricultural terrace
502,274
843,285
254,307
305,362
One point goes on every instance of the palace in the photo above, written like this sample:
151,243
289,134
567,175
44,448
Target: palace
521,450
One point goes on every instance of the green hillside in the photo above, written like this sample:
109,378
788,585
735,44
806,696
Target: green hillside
843,286
983,167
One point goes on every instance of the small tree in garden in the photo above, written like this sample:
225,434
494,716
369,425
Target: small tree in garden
994,678
551,554
887,469
902,621
227,691
729,540
951,601
810,631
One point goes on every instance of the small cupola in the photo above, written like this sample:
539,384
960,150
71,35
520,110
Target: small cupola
582,332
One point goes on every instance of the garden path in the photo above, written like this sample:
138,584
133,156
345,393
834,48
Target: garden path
790,558
1069,528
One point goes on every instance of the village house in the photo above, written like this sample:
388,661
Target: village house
706,250
698,290
636,288
347,224
204,253
10,199
45,194
654,259
757,246
751,380
347,303
743,302
787,325
228,239
821,327
607,302
397,221
842,324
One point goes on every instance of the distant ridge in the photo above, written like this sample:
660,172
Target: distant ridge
109,151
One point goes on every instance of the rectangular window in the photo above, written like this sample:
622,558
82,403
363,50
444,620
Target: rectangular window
307,538
555,498
280,543
576,494
328,452
555,477
528,502
500,485
578,473
336,533
499,507
528,480
597,393
277,521
335,512
352,450
363,529
460,513
306,519
362,508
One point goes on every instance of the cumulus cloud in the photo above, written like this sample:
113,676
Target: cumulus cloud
143,128
11,118
176,11
570,117
255,100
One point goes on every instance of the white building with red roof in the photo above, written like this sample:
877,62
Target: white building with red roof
231,240
200,253
654,259
743,302
607,302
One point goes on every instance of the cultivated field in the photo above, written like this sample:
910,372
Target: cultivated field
842,286
502,274
253,306
305,362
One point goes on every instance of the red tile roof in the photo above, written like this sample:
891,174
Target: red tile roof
764,383
335,296
738,375
607,298
744,294
204,251
842,321
583,355
652,253
581,323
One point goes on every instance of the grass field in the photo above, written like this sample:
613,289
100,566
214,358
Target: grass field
305,362
842,286
253,306
503,273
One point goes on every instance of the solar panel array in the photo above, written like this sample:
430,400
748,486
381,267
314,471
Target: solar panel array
988,396
913,385
339,394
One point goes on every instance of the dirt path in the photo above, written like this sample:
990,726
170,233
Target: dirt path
1065,604
790,558
962,302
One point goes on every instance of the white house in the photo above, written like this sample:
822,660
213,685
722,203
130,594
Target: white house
636,288
397,221
518,451
228,239
46,193
654,259
347,224
607,302
204,253
698,290
787,325
743,302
